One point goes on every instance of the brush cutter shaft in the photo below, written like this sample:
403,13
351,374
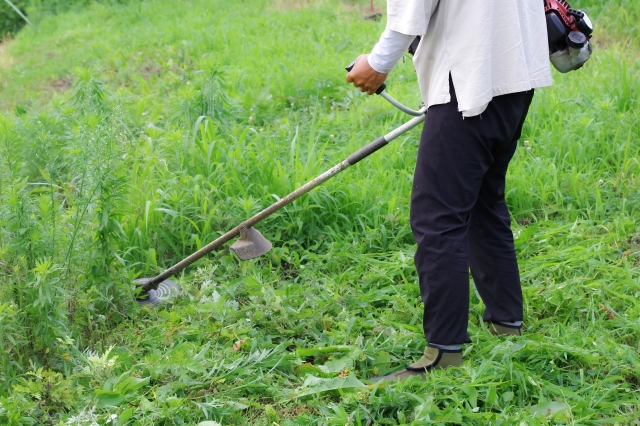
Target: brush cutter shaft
362,153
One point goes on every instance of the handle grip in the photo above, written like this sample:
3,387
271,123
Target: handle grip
380,89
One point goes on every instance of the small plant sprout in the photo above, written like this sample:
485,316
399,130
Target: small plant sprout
100,365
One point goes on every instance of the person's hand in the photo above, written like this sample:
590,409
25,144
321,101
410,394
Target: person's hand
365,77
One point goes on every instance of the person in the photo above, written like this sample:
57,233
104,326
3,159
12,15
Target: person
478,63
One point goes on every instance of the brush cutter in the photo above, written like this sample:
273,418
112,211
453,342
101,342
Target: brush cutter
251,243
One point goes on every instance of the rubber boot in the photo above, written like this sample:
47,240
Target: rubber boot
433,358
504,330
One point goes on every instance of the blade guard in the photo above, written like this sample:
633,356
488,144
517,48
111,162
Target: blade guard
251,244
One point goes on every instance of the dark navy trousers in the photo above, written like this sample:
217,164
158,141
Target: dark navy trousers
459,217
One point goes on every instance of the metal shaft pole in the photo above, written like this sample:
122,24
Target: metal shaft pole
362,153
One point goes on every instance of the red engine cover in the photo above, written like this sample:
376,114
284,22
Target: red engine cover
561,8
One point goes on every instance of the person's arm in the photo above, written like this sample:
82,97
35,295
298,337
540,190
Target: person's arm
386,54
405,20
370,71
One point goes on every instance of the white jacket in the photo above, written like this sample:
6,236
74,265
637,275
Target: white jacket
490,47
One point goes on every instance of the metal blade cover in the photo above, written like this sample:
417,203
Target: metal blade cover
251,244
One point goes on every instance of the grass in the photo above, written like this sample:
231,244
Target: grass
107,173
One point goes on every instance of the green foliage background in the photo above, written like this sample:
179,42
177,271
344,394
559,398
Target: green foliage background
132,134
11,22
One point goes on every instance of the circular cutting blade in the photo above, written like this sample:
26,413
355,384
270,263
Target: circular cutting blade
166,290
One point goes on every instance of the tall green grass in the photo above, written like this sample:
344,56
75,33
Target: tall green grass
11,21
132,135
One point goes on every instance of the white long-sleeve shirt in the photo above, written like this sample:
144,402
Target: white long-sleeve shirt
489,47
388,51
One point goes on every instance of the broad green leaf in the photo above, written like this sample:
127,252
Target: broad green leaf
131,384
425,408
525,235
549,408
451,415
382,361
507,396
109,398
307,368
472,395
108,384
314,385
491,396
124,417
337,365
305,352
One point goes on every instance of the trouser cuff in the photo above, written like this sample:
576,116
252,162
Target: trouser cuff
446,348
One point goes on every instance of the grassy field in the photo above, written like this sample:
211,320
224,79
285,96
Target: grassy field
109,173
